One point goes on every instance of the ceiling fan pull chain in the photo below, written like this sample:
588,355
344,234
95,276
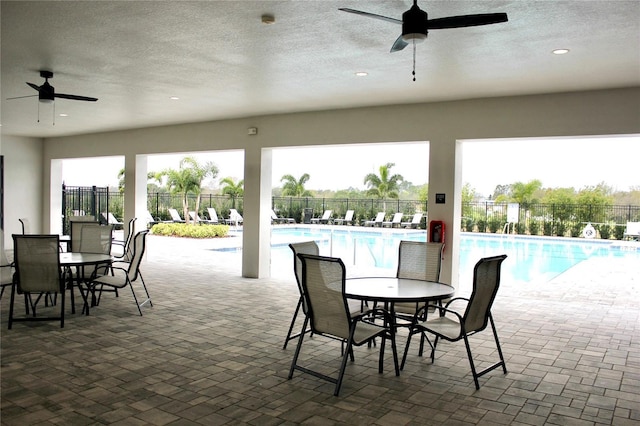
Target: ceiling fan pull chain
414,61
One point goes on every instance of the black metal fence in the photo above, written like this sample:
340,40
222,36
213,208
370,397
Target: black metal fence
535,219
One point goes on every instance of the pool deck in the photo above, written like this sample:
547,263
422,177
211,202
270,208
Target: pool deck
209,352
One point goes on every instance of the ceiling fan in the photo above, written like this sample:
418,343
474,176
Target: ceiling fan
416,24
46,92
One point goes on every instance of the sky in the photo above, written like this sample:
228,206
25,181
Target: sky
556,162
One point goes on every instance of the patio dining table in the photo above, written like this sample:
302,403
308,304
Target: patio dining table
81,261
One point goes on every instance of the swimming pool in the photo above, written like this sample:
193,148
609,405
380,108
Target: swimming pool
530,259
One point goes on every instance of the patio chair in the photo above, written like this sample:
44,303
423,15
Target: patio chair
125,277
417,260
38,272
213,216
307,247
415,222
346,220
323,283
75,230
452,326
175,216
325,219
377,221
127,250
26,225
235,218
6,267
395,221
632,231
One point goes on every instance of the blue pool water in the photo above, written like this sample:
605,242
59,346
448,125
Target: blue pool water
530,259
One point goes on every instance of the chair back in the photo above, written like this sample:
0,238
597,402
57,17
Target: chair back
379,217
26,225
37,263
175,216
307,247
323,282
128,249
194,217
95,238
212,214
415,220
139,243
418,260
75,234
397,218
327,214
486,280
3,254
348,216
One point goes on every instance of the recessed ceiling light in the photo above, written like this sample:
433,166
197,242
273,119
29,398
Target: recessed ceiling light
560,51
64,115
174,98
362,74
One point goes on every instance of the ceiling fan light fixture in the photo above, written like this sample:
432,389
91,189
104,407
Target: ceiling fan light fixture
414,37
560,51
46,101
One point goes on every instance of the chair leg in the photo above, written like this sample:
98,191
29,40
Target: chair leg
13,296
343,366
293,322
298,347
144,286
134,296
62,308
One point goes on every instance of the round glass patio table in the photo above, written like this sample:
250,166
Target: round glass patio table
80,261
390,289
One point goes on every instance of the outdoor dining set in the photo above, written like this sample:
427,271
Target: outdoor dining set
46,267
357,311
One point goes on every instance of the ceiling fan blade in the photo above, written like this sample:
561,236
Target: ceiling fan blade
33,86
20,97
75,97
372,15
466,21
399,44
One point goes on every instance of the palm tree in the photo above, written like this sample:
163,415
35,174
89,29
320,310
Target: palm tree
188,178
383,186
295,187
233,189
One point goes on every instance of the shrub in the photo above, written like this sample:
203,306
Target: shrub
482,225
605,231
576,229
494,225
534,227
547,228
618,232
190,231
521,228
469,224
561,229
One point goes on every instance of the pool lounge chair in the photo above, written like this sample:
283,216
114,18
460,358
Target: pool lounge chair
195,217
375,222
326,217
213,216
346,220
396,221
632,232
415,222
235,218
279,219
175,216
111,220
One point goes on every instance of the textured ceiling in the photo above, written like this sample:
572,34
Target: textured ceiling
222,62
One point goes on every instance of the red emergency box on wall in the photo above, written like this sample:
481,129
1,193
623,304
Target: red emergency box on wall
436,231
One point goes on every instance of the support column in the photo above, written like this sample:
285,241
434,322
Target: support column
135,191
445,177
53,215
256,232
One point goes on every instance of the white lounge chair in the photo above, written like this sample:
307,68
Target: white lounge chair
348,219
175,216
326,217
632,231
375,222
395,221
235,218
415,221
112,220
213,216
195,217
